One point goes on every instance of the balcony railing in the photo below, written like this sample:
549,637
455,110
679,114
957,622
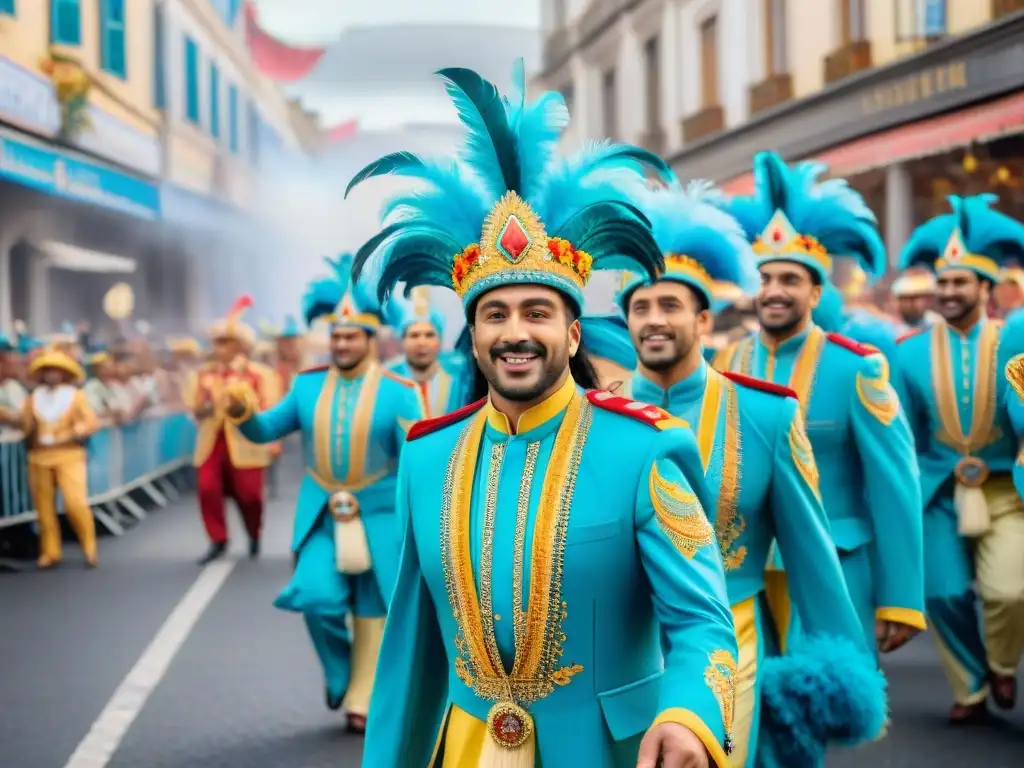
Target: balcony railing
773,90
1006,7
704,123
852,57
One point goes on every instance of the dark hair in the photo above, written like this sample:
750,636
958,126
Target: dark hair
698,297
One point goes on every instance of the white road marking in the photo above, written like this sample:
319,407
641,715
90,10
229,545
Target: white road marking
110,728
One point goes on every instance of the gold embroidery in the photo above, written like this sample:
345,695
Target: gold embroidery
983,429
729,524
1015,375
680,515
805,369
439,407
803,455
707,433
330,421
720,677
876,393
522,515
322,423
536,669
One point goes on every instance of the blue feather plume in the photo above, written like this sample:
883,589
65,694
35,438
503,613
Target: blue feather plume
320,299
510,145
830,211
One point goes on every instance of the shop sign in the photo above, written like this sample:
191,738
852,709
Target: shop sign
59,174
112,139
947,76
27,99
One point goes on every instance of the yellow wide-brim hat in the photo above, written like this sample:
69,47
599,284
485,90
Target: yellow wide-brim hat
59,360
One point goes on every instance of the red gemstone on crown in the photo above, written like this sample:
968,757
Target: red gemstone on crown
776,236
513,241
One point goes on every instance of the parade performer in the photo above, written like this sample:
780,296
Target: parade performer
914,291
860,437
761,472
229,464
866,328
956,394
532,636
421,326
353,415
57,421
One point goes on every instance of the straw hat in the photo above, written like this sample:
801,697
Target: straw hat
61,361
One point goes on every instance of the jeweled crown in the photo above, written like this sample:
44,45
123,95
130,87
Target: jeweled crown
513,241
681,264
779,239
956,254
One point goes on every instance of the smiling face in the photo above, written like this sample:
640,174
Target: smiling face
787,296
960,293
523,337
666,321
421,344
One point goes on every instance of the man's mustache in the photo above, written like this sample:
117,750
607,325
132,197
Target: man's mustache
517,348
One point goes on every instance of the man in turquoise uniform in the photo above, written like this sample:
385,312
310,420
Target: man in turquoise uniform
855,323
571,525
914,292
353,416
441,379
955,393
761,472
861,440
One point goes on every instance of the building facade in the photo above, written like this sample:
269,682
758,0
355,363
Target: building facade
909,99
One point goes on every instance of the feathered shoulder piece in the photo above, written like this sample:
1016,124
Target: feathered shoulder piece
973,236
509,209
792,216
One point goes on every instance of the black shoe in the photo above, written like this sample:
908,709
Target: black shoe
334,700
216,551
254,548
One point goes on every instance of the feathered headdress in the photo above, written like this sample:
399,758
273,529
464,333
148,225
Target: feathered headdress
232,327
973,237
342,299
510,210
916,282
794,217
702,244
416,309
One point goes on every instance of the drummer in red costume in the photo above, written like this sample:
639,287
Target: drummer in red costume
227,464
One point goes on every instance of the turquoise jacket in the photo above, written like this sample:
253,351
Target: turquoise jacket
864,451
443,392
958,401
762,472
620,552
352,432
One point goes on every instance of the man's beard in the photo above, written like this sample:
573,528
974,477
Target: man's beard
420,366
553,366
348,365
783,327
958,311
681,347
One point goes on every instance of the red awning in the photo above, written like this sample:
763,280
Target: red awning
983,123
278,61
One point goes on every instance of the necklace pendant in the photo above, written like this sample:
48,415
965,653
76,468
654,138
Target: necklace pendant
509,725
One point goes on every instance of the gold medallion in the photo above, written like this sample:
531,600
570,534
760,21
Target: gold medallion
509,724
344,506
971,471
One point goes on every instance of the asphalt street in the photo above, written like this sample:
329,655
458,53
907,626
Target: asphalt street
243,690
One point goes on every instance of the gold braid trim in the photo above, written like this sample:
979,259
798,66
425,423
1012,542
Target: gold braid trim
680,515
1015,375
720,677
803,455
876,393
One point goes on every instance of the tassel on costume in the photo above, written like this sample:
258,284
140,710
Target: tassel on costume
825,691
521,755
351,548
972,514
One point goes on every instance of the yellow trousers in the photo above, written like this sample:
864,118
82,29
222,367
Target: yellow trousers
366,639
64,471
999,569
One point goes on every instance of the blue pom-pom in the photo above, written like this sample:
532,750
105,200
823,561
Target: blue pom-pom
825,691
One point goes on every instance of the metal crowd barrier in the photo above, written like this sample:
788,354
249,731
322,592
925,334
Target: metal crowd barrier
140,456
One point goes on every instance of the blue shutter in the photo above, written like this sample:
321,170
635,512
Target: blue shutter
214,101
8,8
159,73
65,22
934,18
233,119
191,80
112,41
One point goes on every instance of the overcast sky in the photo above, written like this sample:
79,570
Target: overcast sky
317,22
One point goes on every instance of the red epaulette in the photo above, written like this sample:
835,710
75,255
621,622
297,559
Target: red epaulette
313,369
426,426
760,384
854,346
389,374
910,334
645,412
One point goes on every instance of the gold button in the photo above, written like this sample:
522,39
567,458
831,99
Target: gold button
497,617
966,400
967,383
